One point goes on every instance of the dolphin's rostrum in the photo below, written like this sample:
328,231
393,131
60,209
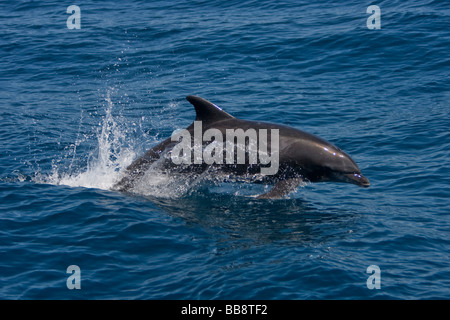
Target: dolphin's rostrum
300,156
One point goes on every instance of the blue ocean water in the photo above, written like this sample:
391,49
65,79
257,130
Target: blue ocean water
78,105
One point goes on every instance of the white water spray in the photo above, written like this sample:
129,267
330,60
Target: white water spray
105,163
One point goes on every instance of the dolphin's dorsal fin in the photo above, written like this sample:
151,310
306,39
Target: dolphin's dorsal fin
207,111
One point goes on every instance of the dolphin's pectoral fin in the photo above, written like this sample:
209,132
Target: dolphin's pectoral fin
281,188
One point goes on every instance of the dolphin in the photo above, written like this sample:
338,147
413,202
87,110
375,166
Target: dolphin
302,157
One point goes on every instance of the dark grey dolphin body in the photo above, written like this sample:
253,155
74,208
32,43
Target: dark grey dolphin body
302,156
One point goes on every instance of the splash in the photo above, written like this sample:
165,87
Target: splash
115,149
105,163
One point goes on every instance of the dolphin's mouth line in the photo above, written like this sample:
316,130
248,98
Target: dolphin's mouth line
357,178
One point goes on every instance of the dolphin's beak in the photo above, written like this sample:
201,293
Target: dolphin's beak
358,179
